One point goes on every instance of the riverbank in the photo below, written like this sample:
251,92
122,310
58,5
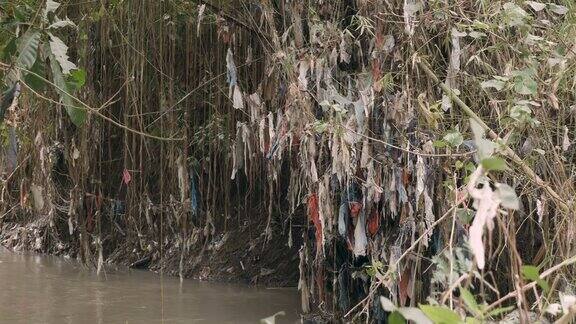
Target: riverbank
242,255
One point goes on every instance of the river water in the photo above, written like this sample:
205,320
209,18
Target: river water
45,289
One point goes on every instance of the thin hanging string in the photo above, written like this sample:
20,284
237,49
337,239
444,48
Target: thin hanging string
161,50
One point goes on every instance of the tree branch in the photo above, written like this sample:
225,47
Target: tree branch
508,152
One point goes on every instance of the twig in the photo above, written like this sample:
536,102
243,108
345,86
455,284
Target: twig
408,151
9,210
533,283
16,168
408,250
450,245
507,150
200,86
456,283
235,20
428,230
96,112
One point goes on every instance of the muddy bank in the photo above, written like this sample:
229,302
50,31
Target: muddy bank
241,255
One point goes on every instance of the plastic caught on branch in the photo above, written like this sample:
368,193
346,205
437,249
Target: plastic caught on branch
420,177
201,9
303,68
343,288
360,239
486,202
453,67
325,208
194,193
38,197
373,222
241,148
278,137
566,140
231,72
303,281
254,103
314,217
350,207
486,209
411,7
126,177
9,100
12,150
237,98
182,177
343,219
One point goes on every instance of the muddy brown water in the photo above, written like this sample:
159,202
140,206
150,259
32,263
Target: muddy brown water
46,289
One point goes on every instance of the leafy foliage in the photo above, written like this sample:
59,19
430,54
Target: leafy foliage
27,51
77,115
533,273
66,77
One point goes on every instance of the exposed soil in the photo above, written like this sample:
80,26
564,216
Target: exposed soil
241,255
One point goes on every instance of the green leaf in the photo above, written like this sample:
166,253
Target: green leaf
533,273
370,271
476,34
470,167
530,272
414,314
27,53
403,313
496,84
28,48
439,144
525,85
557,9
501,78
77,79
521,113
9,49
454,138
320,126
537,6
59,51
500,310
440,314
485,148
458,164
21,14
494,164
514,15
480,25
77,115
469,300
465,215
34,80
472,320
396,318
507,196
